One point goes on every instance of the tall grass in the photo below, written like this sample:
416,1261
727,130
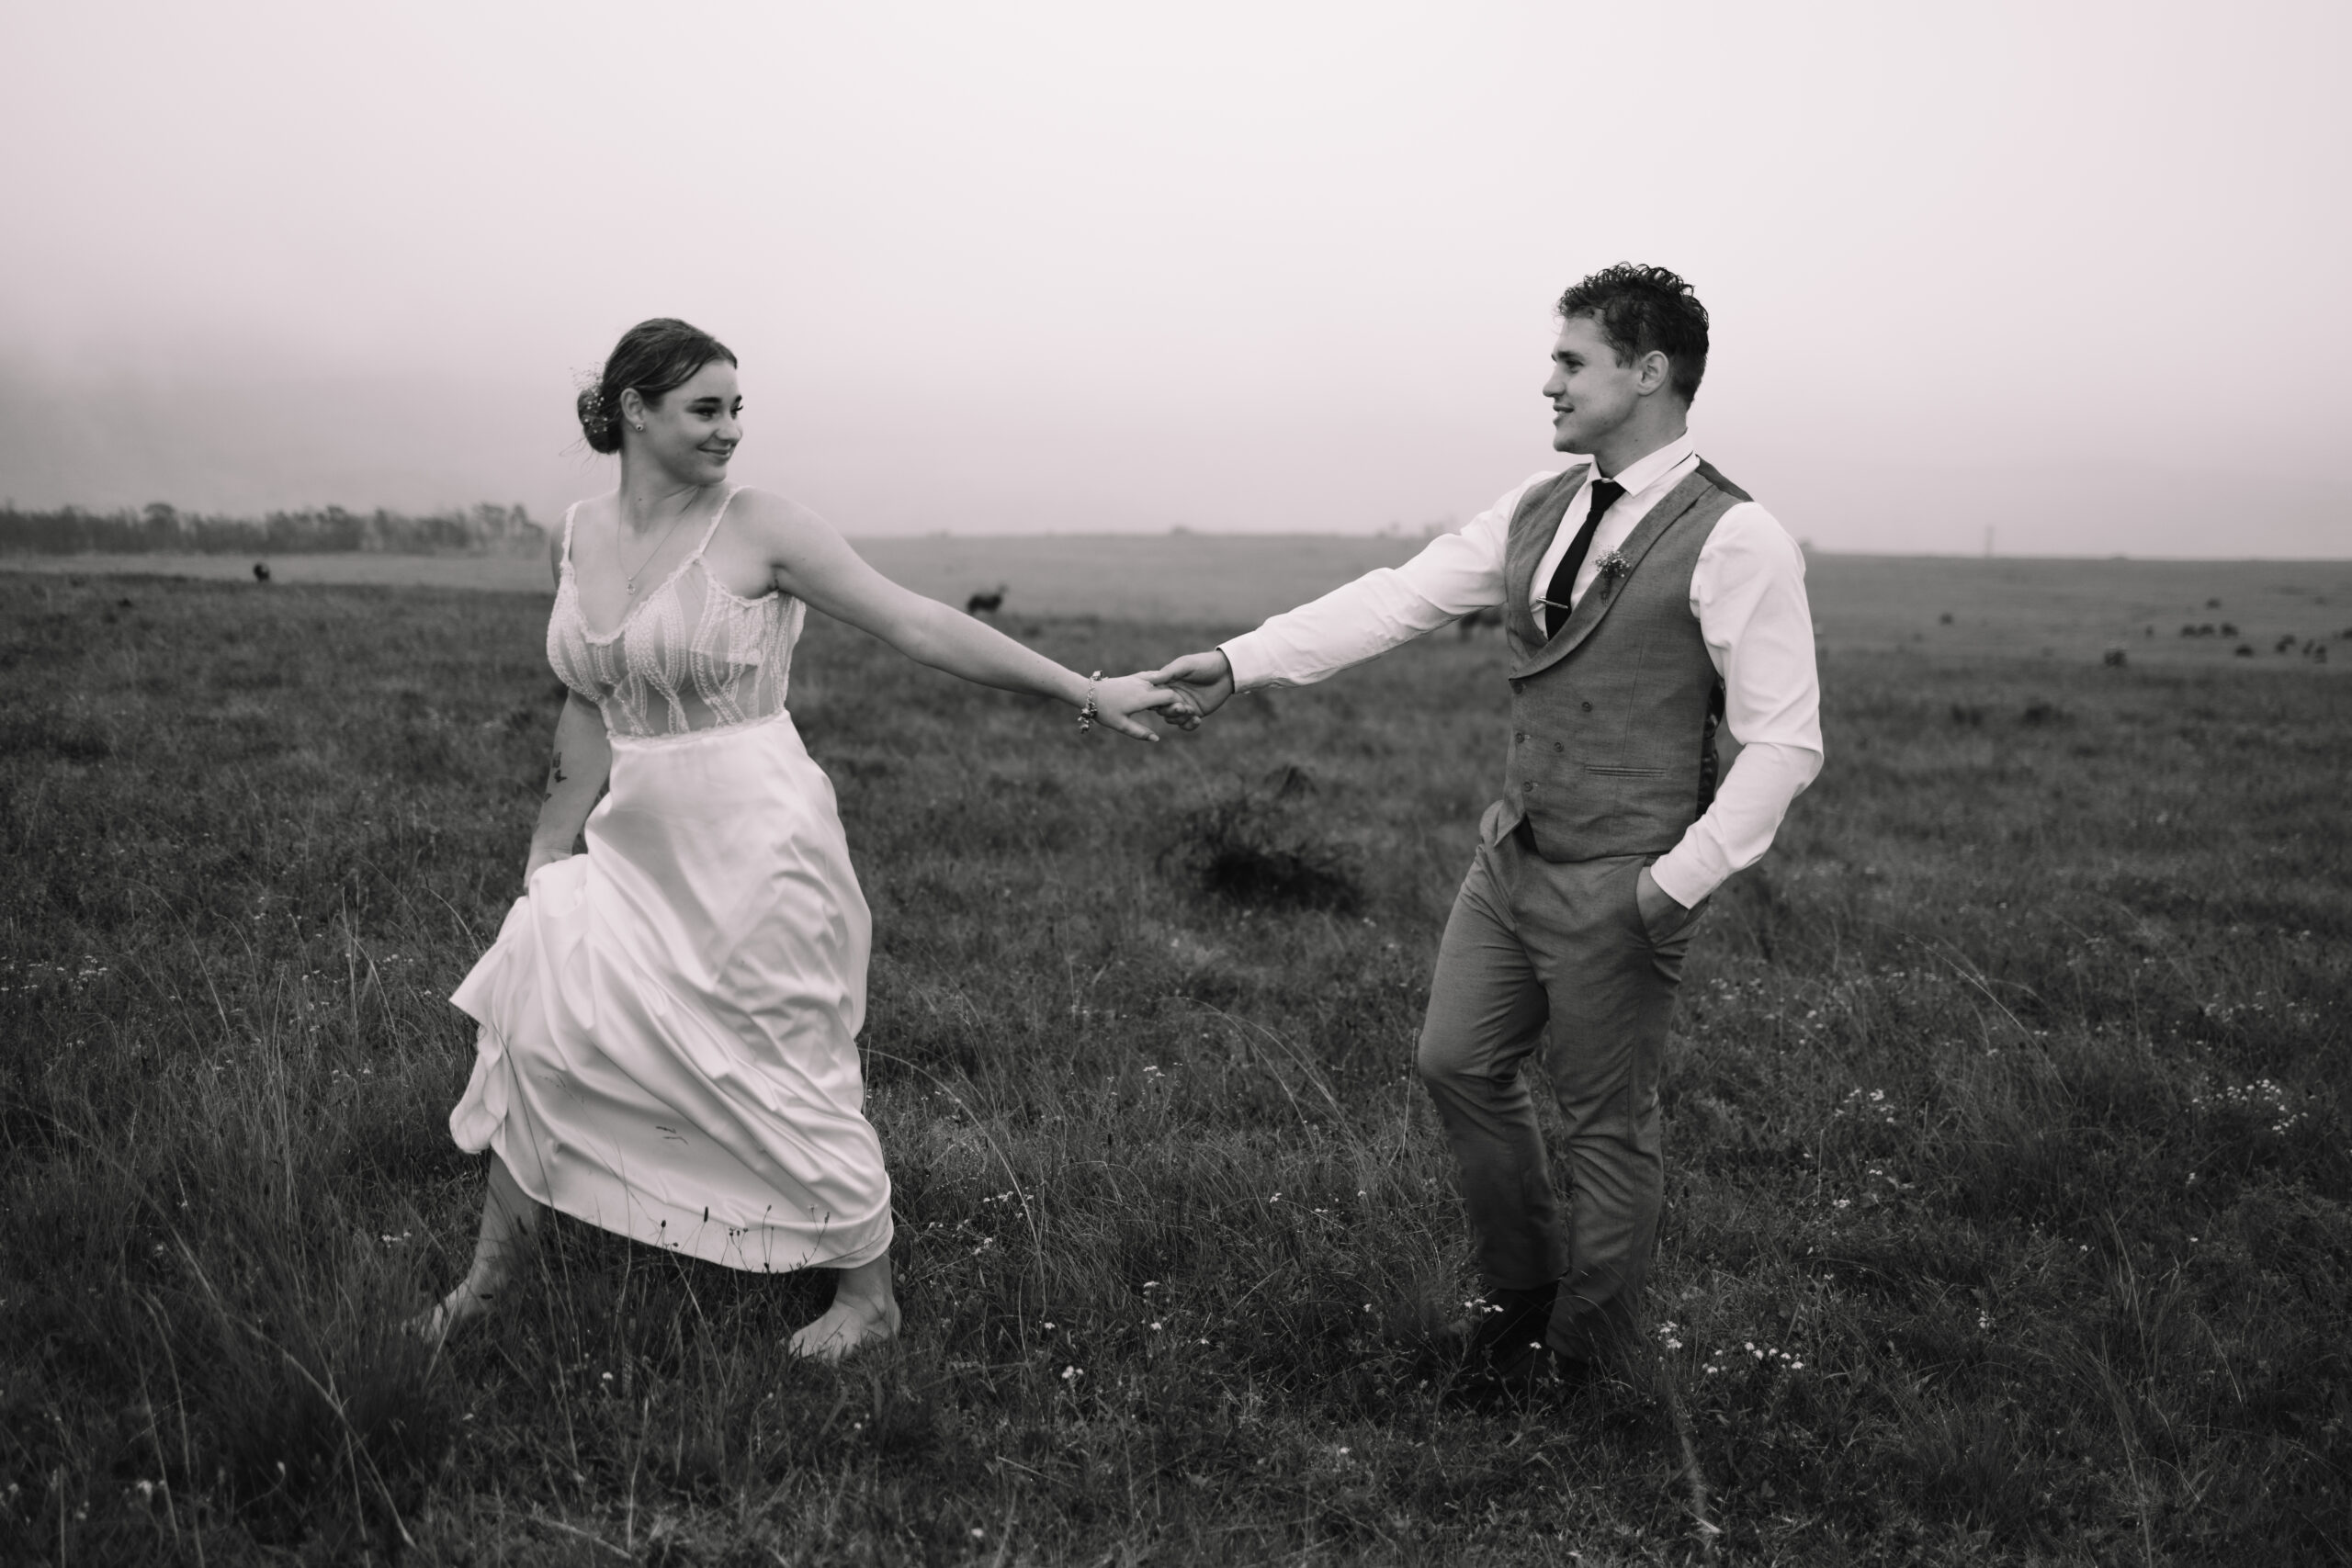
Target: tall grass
2008,1130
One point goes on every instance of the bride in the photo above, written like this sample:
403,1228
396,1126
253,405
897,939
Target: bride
668,1021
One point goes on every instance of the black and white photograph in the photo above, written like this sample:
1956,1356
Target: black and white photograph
1125,786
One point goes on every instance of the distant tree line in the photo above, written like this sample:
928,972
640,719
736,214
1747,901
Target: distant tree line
158,527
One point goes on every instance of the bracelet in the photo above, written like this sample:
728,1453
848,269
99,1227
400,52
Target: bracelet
1086,715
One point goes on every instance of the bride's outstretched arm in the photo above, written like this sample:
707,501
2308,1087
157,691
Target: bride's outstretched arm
583,756
810,560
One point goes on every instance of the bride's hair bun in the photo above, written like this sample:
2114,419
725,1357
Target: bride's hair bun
601,425
655,358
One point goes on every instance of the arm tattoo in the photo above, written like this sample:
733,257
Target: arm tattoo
556,775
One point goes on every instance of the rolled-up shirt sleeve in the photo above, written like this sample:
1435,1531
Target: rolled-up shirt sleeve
1455,574
1747,591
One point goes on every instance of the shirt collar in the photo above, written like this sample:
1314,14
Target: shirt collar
1640,476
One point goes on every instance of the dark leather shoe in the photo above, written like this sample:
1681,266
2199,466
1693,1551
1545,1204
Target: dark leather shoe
1505,1362
1540,1375
1507,1325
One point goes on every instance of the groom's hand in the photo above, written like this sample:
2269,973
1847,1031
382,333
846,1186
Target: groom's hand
1661,916
1206,679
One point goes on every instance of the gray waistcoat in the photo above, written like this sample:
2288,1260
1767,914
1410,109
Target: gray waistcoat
1612,748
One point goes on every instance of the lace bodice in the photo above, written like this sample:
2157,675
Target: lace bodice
688,657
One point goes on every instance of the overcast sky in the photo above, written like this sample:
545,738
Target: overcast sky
2075,273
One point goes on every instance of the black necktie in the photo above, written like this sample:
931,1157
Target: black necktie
1564,582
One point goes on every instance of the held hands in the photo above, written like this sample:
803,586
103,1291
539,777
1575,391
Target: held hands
1119,699
1203,680
1182,694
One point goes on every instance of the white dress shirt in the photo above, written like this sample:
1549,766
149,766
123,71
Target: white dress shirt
1747,592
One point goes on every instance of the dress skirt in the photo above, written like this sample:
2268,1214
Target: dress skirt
669,1022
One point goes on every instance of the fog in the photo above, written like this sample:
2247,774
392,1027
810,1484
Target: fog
2074,276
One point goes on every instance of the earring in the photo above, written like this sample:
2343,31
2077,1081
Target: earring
638,428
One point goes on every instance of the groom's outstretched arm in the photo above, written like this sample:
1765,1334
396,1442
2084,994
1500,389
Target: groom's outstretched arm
1455,574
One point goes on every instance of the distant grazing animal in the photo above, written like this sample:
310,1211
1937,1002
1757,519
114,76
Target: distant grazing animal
1478,619
261,571
985,604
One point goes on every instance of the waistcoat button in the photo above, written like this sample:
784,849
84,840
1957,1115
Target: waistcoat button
1586,707
1517,686
1558,746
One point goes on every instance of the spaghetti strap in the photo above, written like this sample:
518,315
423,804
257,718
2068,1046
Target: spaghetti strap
715,519
569,514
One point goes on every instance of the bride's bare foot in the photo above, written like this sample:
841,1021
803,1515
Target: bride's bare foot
847,1326
865,1311
461,1307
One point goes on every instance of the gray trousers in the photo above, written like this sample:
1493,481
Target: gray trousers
1531,944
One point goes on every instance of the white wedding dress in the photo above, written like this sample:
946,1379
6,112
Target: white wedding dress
669,1022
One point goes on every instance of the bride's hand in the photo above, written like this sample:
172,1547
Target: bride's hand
1118,700
540,857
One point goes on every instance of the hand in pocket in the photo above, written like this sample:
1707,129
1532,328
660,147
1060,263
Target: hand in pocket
1661,916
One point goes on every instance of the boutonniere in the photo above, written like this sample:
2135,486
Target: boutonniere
1613,567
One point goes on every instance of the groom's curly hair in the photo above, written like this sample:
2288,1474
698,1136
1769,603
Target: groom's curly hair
1644,309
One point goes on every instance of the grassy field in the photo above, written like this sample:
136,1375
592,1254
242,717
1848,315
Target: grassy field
1160,577
2009,1128
2069,610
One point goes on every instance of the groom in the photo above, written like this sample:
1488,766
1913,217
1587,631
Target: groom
1647,599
